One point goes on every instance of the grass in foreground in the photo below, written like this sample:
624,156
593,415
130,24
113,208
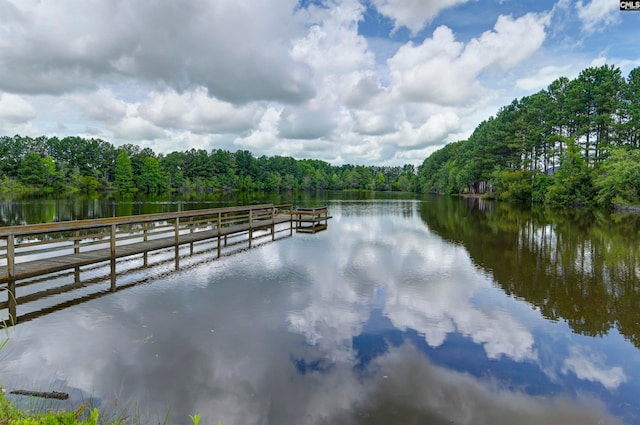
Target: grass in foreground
11,415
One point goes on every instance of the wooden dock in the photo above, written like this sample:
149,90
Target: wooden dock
310,220
30,252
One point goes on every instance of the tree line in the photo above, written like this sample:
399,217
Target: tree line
575,143
76,164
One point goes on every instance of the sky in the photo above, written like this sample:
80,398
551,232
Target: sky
373,82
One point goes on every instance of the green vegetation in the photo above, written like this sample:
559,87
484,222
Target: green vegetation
575,143
10,415
84,415
71,165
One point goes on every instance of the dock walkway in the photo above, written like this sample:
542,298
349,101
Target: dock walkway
32,252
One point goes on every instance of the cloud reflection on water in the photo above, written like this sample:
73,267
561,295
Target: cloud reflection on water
289,346
591,367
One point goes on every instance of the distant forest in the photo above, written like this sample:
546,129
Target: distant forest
575,143
73,164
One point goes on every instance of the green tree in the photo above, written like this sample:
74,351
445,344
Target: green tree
572,183
629,127
88,184
595,100
123,172
381,181
54,179
173,166
33,170
150,177
246,163
559,118
365,177
618,180
513,184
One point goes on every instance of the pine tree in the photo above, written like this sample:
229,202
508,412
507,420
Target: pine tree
123,172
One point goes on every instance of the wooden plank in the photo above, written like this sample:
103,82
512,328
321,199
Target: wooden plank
311,220
312,229
45,251
32,253
65,226
58,263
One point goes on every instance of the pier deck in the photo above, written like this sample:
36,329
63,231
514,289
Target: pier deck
31,254
32,268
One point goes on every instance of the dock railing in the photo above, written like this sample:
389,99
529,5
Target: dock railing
35,250
310,220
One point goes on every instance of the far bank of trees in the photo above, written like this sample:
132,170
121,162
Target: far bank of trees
575,143
75,164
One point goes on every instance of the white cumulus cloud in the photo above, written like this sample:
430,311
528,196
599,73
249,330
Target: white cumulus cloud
445,71
306,79
597,13
413,14
15,109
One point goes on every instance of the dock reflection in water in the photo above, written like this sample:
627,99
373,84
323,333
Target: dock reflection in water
35,260
387,317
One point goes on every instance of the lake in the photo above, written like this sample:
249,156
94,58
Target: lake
406,310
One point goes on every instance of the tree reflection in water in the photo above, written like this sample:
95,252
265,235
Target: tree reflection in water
574,265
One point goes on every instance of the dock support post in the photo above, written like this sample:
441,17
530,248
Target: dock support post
291,222
145,259
177,242
11,284
273,223
191,231
219,230
250,226
112,248
76,250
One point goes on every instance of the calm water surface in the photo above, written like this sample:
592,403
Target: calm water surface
404,311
